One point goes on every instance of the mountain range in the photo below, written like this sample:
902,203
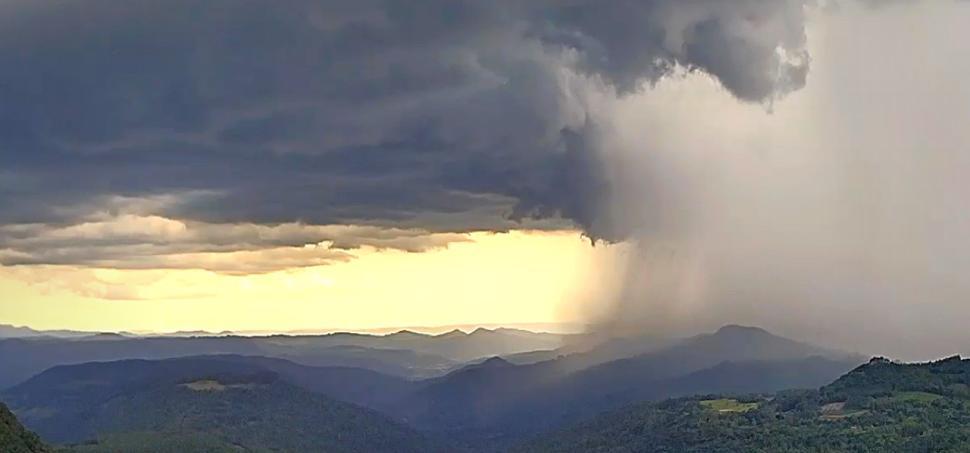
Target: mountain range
406,354
9,331
501,403
240,406
483,405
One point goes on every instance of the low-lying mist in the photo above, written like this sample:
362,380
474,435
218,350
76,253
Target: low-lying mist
838,214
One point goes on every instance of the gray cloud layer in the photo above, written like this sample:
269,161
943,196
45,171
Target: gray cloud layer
441,115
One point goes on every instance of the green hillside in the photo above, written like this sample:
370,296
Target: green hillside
879,406
14,438
158,442
232,411
259,414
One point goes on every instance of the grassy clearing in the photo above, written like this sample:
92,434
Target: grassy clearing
915,397
836,411
833,408
207,385
839,416
728,405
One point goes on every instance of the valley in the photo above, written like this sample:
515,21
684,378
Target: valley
491,404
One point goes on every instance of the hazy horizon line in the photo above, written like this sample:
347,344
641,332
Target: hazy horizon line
535,327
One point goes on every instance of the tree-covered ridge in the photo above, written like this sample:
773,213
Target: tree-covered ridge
205,405
881,377
879,406
156,442
14,438
249,412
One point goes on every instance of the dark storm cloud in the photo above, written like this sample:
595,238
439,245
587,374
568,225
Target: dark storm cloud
755,48
445,115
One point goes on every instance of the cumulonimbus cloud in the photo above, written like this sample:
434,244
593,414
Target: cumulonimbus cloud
439,115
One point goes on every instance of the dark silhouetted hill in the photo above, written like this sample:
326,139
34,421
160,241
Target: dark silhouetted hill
14,438
254,413
59,402
212,403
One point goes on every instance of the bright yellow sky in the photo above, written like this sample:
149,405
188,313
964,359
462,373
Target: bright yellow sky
517,277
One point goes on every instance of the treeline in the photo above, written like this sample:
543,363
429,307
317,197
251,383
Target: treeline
880,406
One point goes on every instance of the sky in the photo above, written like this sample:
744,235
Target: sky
643,165
483,280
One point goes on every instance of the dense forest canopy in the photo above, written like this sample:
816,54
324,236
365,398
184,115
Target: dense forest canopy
879,406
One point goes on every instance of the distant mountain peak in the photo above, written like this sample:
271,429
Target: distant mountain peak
755,343
496,362
103,336
735,329
407,333
490,363
508,329
452,334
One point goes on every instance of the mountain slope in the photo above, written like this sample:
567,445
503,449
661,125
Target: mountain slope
359,386
23,358
729,343
207,404
155,442
58,403
258,412
502,402
879,406
754,377
14,438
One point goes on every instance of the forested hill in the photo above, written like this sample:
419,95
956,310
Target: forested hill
244,413
205,404
14,438
879,406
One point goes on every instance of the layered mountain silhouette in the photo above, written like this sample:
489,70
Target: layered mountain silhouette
406,354
486,404
9,331
499,401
